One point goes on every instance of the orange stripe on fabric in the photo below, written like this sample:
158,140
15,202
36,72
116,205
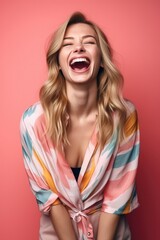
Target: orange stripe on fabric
127,208
86,178
47,175
56,202
131,125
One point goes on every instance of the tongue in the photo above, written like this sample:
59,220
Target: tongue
80,66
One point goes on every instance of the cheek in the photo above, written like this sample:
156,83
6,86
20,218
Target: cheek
97,58
63,64
62,57
96,54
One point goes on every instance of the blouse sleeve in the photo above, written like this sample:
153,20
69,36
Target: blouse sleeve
120,195
40,179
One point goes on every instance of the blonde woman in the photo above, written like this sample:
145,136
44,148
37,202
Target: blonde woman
81,140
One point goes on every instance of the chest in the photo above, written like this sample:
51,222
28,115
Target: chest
79,136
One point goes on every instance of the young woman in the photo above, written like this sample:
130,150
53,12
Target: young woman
81,141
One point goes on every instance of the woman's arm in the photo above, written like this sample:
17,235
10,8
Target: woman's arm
120,192
62,222
107,226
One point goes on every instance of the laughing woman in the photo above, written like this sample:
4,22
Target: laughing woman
81,141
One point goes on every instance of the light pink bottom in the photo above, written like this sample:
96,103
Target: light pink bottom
47,231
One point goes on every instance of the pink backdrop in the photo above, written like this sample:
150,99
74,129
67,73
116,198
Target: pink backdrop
133,29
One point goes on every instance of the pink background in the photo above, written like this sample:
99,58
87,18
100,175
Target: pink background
134,31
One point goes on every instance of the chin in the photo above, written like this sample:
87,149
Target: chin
82,80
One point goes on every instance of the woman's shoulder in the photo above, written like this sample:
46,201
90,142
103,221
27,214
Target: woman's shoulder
130,106
32,113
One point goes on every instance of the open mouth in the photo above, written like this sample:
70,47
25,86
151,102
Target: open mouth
80,64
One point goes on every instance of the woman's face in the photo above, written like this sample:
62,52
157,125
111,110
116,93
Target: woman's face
79,56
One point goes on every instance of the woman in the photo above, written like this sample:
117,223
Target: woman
81,141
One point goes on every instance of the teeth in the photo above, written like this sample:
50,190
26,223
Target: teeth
79,60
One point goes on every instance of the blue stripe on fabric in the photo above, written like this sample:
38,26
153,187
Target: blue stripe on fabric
29,111
110,146
42,196
121,209
25,153
28,142
127,157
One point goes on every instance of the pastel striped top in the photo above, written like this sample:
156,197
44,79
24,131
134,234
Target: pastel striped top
106,180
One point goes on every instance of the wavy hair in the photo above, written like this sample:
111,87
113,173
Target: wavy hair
109,81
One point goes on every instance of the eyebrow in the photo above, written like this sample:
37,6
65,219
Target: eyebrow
83,37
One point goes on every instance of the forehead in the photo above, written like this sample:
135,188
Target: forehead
80,29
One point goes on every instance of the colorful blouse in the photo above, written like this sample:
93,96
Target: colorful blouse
106,181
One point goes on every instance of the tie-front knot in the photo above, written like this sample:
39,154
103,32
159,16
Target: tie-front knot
86,225
77,217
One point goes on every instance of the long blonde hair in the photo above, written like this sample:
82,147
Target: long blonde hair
109,81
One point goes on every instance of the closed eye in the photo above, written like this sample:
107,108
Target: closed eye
89,42
67,44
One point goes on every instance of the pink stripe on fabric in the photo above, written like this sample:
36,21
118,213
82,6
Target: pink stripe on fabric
118,187
128,145
36,179
40,133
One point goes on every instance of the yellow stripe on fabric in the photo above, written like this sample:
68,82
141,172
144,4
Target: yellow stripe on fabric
131,124
56,202
47,175
86,178
127,208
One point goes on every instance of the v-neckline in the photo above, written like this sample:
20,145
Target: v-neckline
65,174
87,156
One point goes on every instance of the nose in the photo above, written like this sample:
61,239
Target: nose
79,47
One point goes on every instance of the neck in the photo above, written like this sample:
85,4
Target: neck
82,100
